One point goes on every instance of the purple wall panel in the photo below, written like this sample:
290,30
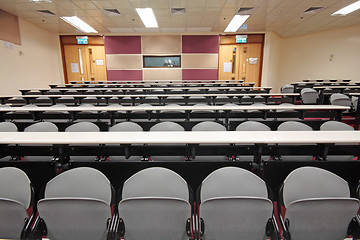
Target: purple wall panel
200,74
120,75
200,44
123,45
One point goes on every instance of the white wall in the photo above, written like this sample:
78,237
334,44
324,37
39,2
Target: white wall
35,63
308,57
270,72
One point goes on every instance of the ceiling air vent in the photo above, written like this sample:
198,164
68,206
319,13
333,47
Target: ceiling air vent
111,11
46,12
313,9
246,10
178,11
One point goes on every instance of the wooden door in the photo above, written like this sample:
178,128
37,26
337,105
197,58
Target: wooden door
250,62
95,61
85,63
76,68
228,62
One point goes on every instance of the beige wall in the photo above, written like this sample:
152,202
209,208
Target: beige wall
308,57
166,44
35,63
271,61
123,61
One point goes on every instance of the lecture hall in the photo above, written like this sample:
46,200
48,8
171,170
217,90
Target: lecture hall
179,119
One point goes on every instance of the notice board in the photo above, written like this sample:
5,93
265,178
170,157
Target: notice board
9,27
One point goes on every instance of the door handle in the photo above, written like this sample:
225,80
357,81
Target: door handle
81,63
91,62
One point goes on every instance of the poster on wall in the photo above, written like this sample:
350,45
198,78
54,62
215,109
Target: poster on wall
74,67
227,66
253,60
99,62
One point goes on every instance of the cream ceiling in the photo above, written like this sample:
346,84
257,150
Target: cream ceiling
285,17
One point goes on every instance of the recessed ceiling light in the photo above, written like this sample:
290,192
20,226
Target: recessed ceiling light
79,24
348,9
236,23
147,17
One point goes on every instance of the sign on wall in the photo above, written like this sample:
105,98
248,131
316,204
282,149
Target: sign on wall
241,38
82,39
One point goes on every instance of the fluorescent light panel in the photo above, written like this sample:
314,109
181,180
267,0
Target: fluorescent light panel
236,23
348,9
147,17
38,1
79,24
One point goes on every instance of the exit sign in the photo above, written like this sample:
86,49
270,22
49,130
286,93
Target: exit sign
82,40
241,38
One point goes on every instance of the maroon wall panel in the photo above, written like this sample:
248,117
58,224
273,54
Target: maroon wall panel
123,45
120,75
200,44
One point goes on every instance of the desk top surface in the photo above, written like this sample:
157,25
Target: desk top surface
336,87
152,84
147,88
203,137
324,82
160,81
156,95
174,108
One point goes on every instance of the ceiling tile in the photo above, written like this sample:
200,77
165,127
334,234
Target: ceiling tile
285,17
85,4
104,4
140,3
159,4
177,3
94,13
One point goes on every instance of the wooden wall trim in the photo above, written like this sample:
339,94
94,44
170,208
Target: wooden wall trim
252,38
71,40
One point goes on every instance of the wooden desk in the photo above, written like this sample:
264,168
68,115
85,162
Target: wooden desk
326,80
150,89
221,139
324,83
157,81
338,87
176,108
186,96
163,84
203,137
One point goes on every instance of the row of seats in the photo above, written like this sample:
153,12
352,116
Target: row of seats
157,203
172,126
311,96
